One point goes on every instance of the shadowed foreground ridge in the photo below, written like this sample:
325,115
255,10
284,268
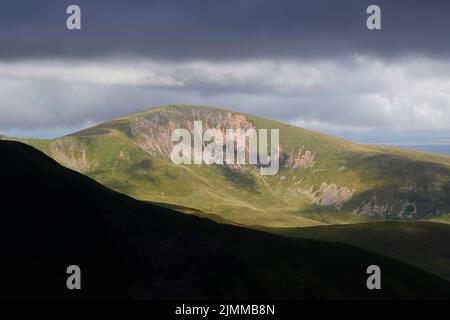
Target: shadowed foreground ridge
422,244
52,217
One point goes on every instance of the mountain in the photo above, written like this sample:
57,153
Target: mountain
53,217
322,179
423,244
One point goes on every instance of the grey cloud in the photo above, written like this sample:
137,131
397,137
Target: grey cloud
220,30
407,95
312,63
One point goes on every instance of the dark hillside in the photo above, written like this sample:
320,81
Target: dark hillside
52,217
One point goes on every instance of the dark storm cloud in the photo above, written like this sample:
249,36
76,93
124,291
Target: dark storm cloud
231,29
310,63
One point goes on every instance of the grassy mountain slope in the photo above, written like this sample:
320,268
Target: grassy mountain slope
53,217
322,180
423,244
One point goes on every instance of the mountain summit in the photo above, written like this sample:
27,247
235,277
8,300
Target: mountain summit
322,179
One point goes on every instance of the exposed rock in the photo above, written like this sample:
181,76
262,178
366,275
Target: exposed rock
122,155
374,209
302,159
332,195
329,195
152,133
371,208
71,154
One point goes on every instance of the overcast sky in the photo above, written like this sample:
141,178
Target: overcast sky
309,63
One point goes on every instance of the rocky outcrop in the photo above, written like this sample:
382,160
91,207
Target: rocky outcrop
71,154
302,159
152,133
372,209
330,195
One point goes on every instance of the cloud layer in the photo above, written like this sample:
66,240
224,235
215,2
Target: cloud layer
218,30
353,93
310,63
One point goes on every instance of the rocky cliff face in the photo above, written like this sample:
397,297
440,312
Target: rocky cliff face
152,132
